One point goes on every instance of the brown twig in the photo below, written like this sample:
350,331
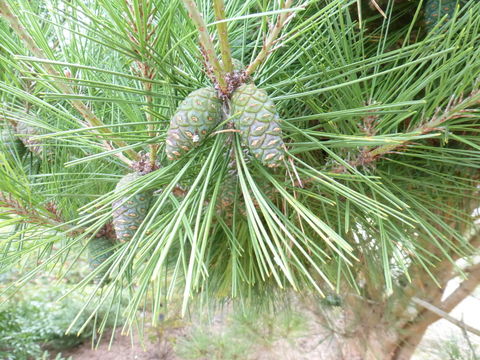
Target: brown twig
51,217
379,9
271,40
206,42
443,314
456,108
87,114
464,289
219,8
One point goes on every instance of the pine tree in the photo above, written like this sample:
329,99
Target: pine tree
372,205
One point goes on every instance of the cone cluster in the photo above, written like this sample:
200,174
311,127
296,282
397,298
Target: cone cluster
252,111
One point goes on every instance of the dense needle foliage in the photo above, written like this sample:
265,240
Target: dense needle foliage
379,120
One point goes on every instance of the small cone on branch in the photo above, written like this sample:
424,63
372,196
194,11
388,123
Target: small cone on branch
129,211
99,250
258,122
195,118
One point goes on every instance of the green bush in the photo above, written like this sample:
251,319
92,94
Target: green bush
34,321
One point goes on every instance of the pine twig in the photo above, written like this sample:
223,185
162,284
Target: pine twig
453,110
464,289
146,72
206,43
442,314
219,8
87,114
51,218
282,20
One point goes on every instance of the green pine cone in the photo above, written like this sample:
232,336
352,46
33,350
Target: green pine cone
99,250
436,9
128,213
195,117
10,143
258,124
26,133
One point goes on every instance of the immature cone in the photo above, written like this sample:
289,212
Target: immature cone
129,211
99,250
10,143
258,123
436,9
195,117
26,133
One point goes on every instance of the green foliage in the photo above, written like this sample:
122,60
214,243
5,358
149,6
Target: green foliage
450,347
35,320
380,125
202,344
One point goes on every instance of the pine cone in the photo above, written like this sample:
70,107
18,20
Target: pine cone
195,117
99,250
27,132
129,212
258,124
10,143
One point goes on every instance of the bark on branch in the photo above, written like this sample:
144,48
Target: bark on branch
206,43
442,314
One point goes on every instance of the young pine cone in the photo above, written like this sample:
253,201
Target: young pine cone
258,122
129,211
195,117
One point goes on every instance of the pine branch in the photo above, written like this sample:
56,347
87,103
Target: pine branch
464,289
146,72
87,114
271,40
443,314
415,329
51,217
219,8
456,108
206,43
